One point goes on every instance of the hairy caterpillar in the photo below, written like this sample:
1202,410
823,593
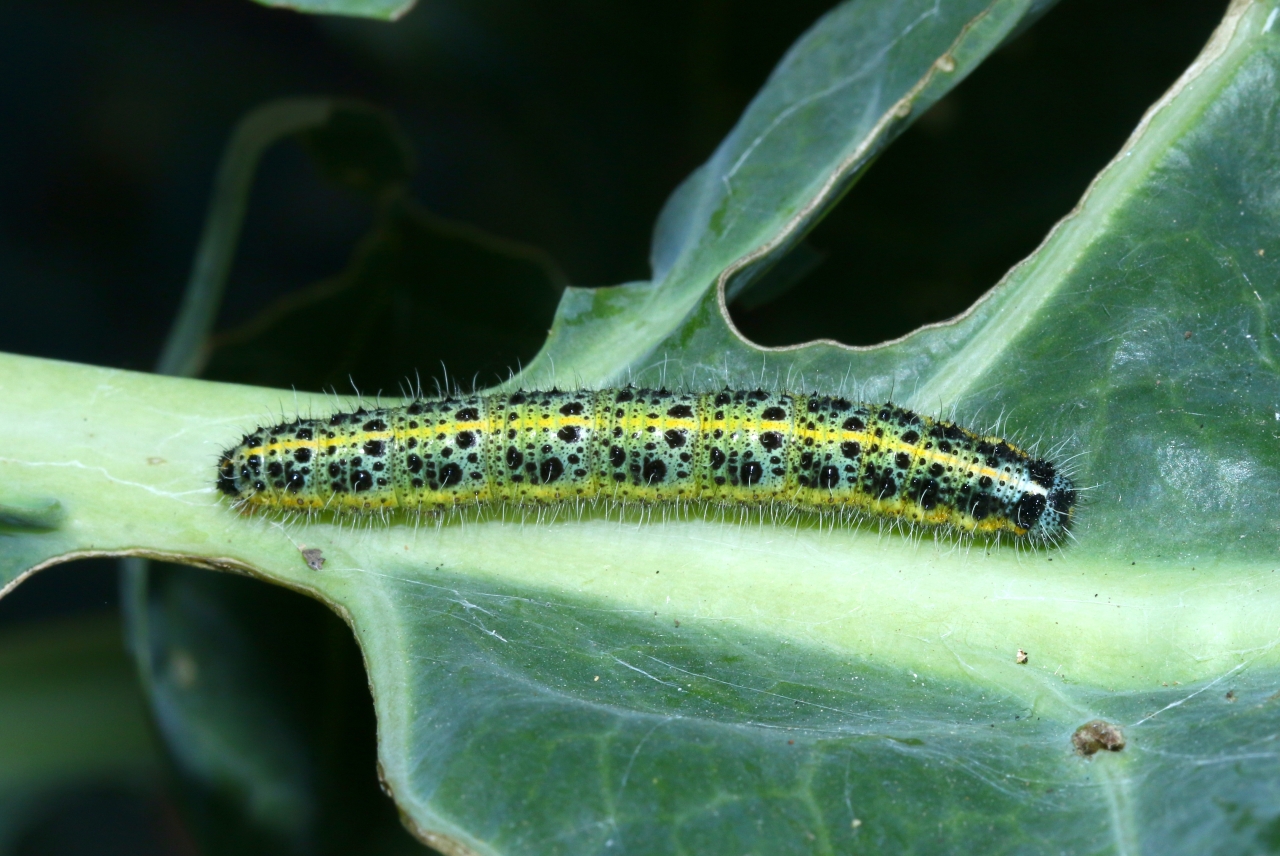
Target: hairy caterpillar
811,453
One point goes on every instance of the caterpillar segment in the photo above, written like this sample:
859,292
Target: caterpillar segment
734,448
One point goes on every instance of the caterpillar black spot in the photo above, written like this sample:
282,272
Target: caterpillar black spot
811,453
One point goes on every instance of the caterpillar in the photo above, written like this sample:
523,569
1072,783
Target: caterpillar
734,448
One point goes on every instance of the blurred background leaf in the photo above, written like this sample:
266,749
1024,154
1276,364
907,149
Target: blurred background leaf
80,770
383,9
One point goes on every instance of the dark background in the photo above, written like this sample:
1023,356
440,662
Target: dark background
560,125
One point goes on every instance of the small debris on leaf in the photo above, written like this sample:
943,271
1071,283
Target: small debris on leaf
1094,736
1231,695
1021,659
314,558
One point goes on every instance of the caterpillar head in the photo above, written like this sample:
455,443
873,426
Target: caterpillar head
1047,516
240,475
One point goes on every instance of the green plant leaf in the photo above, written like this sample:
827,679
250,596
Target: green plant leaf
386,10
835,101
573,684
253,689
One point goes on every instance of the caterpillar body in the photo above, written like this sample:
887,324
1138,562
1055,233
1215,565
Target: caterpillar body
810,453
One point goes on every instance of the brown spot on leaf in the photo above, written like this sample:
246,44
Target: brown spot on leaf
1097,735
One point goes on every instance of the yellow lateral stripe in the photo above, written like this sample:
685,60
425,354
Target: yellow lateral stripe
627,423
449,427
290,445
